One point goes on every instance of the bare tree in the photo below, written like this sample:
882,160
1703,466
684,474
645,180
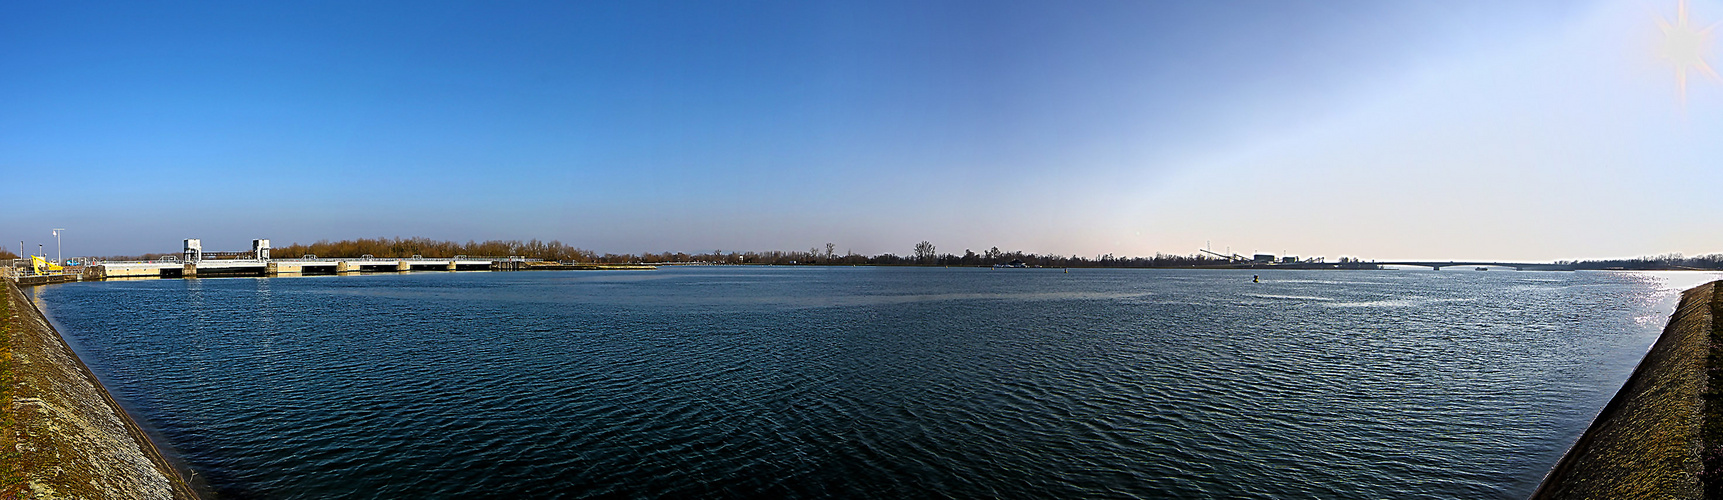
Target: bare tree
924,252
831,251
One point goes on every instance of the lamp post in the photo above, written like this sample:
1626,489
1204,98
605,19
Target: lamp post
58,255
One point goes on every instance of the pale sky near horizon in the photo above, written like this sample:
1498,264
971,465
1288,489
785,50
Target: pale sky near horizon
1528,131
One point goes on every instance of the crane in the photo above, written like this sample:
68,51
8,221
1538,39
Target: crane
1229,258
38,264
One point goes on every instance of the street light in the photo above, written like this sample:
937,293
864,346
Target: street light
59,256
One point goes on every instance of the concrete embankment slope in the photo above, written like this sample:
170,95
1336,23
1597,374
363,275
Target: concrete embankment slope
71,439
1651,440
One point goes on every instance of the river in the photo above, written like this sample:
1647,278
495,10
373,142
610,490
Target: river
869,382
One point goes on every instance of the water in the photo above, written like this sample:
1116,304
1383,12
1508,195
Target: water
869,382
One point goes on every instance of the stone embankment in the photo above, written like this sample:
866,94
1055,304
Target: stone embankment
62,435
1662,432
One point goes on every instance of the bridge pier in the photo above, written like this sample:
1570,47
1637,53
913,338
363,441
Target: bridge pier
343,267
450,267
402,266
1517,266
277,268
189,270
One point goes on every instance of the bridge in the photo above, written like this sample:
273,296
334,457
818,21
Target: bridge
1517,266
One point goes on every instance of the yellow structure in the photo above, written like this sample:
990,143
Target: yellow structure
40,264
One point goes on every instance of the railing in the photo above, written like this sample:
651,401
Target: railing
171,259
461,258
22,268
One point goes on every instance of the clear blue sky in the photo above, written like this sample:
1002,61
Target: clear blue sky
1502,130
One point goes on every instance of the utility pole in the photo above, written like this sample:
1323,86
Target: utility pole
58,254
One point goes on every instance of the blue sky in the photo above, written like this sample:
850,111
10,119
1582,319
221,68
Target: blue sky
1388,130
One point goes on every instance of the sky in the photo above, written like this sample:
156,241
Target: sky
1498,130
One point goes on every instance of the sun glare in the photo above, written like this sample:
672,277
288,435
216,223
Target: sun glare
1686,47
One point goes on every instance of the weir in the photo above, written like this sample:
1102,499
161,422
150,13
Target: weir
275,267
193,261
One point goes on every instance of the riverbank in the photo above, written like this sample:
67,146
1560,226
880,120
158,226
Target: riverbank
1651,440
63,435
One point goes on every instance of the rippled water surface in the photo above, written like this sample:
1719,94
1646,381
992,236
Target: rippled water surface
869,382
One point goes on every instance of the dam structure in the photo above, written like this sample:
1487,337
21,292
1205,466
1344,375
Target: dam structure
193,261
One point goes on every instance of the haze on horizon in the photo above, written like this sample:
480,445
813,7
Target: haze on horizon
1529,131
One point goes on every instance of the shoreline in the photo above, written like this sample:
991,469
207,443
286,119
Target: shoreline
1651,439
72,438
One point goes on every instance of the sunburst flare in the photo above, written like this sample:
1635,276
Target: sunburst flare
1686,47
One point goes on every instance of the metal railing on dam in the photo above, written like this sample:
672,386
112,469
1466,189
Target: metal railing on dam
272,267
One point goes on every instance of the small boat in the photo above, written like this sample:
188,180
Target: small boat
1481,269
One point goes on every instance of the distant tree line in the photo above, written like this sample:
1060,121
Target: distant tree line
1671,261
969,259
922,254
426,247
147,256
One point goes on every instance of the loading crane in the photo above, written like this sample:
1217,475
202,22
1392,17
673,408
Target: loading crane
39,264
1229,258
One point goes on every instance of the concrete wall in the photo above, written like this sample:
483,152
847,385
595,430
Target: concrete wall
1648,442
120,272
73,440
